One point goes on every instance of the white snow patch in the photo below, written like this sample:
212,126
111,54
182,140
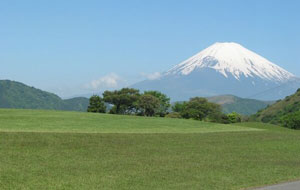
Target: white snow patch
232,58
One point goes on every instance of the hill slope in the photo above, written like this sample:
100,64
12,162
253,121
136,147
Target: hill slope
273,113
17,95
224,68
242,106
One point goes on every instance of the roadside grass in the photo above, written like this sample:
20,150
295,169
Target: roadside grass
140,159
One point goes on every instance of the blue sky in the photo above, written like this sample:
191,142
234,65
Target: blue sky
79,47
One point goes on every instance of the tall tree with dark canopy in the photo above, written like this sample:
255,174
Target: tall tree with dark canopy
164,102
124,100
96,105
148,105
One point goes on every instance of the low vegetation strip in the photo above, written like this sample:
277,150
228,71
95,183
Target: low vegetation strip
59,121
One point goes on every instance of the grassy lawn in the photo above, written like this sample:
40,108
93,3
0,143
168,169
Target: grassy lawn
59,121
68,150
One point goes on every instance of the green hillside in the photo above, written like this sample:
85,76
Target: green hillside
76,104
274,112
242,106
18,95
42,149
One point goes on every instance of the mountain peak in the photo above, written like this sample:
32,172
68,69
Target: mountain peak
230,58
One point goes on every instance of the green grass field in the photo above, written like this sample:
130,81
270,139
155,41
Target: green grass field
69,150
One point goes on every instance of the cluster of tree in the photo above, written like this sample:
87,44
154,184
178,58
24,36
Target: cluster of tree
154,103
291,120
200,109
131,101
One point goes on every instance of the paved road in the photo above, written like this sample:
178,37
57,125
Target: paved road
283,186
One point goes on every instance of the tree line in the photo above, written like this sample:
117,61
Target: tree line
129,101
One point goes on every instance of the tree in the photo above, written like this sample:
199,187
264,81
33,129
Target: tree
178,107
291,120
124,100
199,108
219,117
96,105
148,104
164,102
234,117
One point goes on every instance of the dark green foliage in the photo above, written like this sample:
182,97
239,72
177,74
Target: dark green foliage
17,95
178,107
164,102
148,105
96,105
173,115
199,108
218,117
291,120
124,100
234,117
274,113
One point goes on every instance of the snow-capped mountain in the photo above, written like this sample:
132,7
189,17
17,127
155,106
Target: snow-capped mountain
224,68
232,58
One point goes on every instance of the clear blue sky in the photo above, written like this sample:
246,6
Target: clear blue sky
76,47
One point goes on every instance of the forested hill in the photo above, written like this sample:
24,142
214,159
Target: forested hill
275,112
18,95
242,106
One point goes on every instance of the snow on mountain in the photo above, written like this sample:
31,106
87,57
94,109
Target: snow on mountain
232,58
224,68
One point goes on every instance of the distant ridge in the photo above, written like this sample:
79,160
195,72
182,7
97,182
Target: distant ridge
18,95
242,106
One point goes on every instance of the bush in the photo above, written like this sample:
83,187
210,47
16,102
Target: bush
234,117
292,120
178,107
267,118
199,109
173,115
219,118
246,118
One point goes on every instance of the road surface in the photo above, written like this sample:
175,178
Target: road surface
283,186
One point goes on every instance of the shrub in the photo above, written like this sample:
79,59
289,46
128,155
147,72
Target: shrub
174,115
234,117
178,107
246,118
291,120
267,118
219,118
199,109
